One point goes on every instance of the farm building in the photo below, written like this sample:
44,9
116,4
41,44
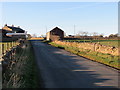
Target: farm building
13,29
55,34
10,33
3,36
4,32
17,35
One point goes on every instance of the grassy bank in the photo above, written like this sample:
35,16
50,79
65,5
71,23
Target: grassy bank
113,43
30,70
23,73
106,59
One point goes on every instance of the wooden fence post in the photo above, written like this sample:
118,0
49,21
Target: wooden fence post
7,46
2,48
10,44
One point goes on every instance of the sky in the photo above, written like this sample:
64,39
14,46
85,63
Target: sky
41,17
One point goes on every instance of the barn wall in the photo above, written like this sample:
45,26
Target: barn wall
48,36
56,35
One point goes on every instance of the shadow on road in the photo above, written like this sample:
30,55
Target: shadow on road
67,70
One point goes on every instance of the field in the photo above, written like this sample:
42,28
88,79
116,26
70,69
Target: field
110,43
113,43
36,38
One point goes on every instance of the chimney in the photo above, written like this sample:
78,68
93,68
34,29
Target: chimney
18,26
12,25
5,24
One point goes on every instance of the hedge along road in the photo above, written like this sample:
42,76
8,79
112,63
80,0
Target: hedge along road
62,69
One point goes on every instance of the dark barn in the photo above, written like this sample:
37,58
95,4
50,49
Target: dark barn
55,34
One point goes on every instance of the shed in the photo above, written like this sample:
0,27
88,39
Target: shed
55,34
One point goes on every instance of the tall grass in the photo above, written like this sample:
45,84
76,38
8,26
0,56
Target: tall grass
23,74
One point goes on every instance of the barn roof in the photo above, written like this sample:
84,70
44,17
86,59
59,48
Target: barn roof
56,28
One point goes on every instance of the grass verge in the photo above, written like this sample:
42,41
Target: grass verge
107,59
23,73
30,70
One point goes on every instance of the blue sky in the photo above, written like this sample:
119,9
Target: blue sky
34,17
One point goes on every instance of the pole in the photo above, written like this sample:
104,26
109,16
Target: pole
74,30
46,31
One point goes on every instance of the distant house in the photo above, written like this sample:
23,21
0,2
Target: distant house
13,29
12,32
17,35
3,36
55,34
4,32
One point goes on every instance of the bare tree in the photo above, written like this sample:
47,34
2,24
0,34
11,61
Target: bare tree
101,35
95,33
34,35
85,33
29,36
90,34
80,33
43,35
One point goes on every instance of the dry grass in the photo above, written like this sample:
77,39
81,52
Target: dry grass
106,59
22,74
36,38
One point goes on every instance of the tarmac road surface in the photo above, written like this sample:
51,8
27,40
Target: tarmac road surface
62,69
